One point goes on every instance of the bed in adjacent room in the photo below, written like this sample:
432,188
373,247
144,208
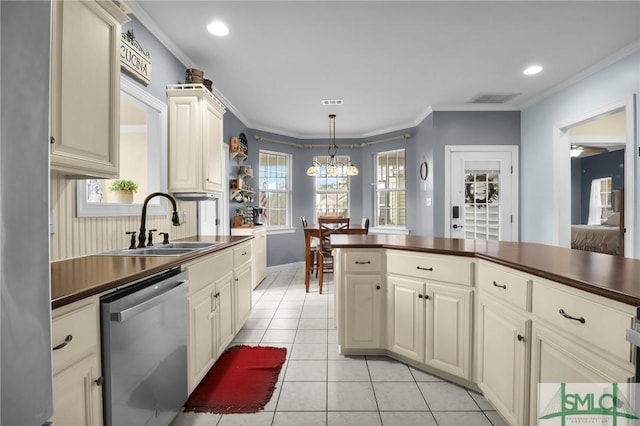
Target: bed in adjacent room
605,238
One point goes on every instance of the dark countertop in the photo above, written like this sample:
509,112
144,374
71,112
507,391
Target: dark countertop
81,277
613,277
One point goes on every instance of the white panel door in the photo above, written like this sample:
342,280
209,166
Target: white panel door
481,197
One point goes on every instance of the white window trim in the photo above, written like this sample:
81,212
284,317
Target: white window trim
387,229
85,209
280,229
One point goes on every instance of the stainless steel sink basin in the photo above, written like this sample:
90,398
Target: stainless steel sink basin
171,249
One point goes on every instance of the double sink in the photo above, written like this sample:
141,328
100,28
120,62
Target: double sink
171,249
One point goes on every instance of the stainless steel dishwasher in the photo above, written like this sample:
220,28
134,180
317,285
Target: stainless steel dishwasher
144,351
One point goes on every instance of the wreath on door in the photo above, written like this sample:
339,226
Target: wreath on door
480,197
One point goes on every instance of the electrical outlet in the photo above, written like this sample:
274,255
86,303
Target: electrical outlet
52,226
428,201
185,218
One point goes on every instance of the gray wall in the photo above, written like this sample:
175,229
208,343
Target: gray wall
614,83
25,321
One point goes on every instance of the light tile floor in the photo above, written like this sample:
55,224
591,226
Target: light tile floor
318,386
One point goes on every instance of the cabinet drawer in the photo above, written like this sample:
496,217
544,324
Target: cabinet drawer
453,269
205,271
504,284
241,254
81,323
598,322
362,261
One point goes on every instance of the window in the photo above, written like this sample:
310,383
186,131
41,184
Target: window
605,197
275,188
332,192
143,159
391,205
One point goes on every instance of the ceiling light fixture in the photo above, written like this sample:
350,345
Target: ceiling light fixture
218,28
532,70
333,166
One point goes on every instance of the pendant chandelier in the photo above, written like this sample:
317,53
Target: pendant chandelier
333,166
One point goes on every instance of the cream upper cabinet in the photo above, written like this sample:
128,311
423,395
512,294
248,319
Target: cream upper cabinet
85,88
77,391
196,156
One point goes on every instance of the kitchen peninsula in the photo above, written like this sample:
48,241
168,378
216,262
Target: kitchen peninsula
498,316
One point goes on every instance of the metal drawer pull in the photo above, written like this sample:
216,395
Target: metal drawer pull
504,286
362,262
564,314
520,337
99,381
67,340
424,269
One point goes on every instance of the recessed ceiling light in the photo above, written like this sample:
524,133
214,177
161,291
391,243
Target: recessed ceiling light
533,69
218,28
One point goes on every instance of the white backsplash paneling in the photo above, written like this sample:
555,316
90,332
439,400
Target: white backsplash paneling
75,237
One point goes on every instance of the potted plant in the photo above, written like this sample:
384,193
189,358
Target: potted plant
123,190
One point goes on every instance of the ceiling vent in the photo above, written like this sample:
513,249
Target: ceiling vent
493,98
332,102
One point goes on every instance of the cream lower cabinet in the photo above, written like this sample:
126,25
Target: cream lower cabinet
577,337
77,391
243,285
258,251
361,288
211,312
430,323
85,88
503,358
196,155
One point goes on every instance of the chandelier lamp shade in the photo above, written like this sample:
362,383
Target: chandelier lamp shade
333,166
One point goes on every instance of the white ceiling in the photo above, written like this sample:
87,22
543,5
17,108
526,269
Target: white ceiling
391,61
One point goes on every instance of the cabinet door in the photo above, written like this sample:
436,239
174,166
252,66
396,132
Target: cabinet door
260,257
185,150
243,290
202,338
502,353
224,300
363,302
405,317
213,157
448,326
557,359
85,89
77,399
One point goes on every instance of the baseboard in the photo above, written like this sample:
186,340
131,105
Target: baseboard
286,266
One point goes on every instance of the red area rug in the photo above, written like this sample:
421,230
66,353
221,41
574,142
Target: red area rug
241,381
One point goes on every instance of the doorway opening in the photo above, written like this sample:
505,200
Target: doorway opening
594,180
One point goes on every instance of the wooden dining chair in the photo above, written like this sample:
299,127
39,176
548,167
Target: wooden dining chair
328,226
365,224
314,245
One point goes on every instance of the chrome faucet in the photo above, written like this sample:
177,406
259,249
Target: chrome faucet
174,216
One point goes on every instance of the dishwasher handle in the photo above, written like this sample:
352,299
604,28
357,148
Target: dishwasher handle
156,300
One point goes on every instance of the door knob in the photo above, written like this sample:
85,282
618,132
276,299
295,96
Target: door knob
456,226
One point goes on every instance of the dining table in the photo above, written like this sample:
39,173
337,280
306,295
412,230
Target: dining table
313,230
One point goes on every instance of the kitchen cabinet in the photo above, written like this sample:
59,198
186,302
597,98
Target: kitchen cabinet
243,283
429,308
503,358
362,287
196,155
77,392
504,331
85,88
571,342
210,308
258,251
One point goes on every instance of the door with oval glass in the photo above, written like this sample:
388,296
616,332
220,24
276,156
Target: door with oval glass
481,193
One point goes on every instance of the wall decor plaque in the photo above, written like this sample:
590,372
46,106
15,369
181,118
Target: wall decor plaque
133,59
